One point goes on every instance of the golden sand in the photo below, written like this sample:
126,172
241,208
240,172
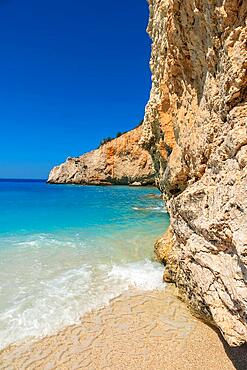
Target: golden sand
150,331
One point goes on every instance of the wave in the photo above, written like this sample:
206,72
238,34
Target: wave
144,275
161,209
61,300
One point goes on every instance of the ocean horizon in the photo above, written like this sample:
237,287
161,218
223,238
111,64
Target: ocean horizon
65,250
6,179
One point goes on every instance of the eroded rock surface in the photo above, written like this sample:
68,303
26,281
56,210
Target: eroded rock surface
120,161
195,128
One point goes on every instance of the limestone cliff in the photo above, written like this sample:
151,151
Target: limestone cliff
120,161
195,128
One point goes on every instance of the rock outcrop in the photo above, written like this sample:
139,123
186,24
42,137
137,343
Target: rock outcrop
120,161
195,128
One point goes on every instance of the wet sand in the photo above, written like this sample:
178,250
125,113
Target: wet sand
150,331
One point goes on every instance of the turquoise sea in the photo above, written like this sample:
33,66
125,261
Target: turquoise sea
67,249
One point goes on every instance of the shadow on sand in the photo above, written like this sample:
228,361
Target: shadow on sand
238,355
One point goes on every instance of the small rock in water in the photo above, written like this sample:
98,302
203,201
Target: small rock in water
136,183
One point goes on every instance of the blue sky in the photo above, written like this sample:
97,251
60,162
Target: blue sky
72,72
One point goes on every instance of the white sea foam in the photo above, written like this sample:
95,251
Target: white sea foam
161,209
43,308
144,275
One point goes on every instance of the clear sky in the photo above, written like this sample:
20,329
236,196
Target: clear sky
72,72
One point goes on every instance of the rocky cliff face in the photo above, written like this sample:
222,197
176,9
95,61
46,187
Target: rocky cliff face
120,161
195,128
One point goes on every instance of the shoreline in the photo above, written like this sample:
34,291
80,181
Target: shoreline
150,330
103,185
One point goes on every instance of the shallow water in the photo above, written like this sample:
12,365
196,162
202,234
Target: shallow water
67,249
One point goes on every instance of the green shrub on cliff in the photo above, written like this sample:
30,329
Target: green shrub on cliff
105,140
118,134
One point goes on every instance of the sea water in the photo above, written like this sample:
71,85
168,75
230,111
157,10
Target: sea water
67,249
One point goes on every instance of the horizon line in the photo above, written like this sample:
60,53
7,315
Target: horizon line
21,179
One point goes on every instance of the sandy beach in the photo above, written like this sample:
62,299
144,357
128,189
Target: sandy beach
147,331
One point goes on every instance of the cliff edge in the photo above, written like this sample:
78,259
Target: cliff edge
195,128
120,161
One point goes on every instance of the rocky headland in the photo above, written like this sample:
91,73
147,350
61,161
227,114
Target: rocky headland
195,129
121,161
